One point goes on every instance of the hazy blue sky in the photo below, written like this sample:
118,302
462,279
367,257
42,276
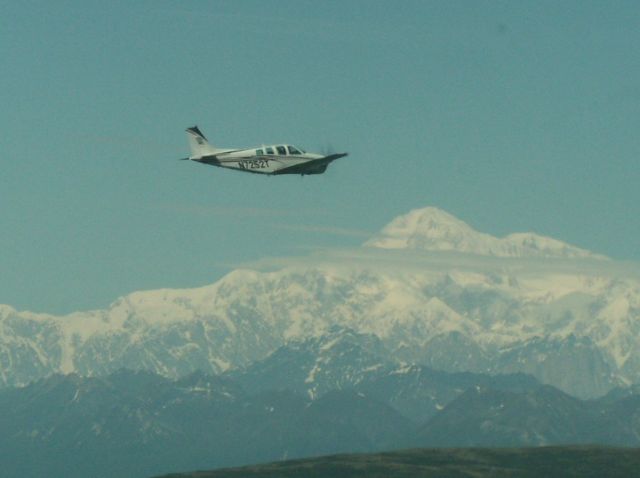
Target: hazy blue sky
513,116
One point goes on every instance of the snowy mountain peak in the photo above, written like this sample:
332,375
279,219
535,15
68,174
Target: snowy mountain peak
432,229
6,311
429,228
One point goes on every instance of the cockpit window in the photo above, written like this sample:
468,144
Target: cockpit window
259,152
269,150
281,150
293,150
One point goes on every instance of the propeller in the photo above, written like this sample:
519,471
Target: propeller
327,149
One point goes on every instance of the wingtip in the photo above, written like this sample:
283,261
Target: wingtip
340,155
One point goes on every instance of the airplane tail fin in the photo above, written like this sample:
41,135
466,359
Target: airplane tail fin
198,143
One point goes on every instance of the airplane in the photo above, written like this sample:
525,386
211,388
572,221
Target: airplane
276,159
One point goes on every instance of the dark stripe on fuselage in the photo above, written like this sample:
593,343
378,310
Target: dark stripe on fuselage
269,157
208,160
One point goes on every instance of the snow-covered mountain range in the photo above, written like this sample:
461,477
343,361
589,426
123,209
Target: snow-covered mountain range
431,289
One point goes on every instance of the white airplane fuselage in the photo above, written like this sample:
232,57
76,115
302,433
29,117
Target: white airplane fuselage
276,159
251,160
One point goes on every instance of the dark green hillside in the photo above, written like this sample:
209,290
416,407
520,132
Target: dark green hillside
548,462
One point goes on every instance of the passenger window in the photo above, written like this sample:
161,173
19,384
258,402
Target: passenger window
259,152
269,150
281,150
293,150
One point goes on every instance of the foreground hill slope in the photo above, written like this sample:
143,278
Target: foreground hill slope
583,462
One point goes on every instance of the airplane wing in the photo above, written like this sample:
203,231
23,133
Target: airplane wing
312,167
332,157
